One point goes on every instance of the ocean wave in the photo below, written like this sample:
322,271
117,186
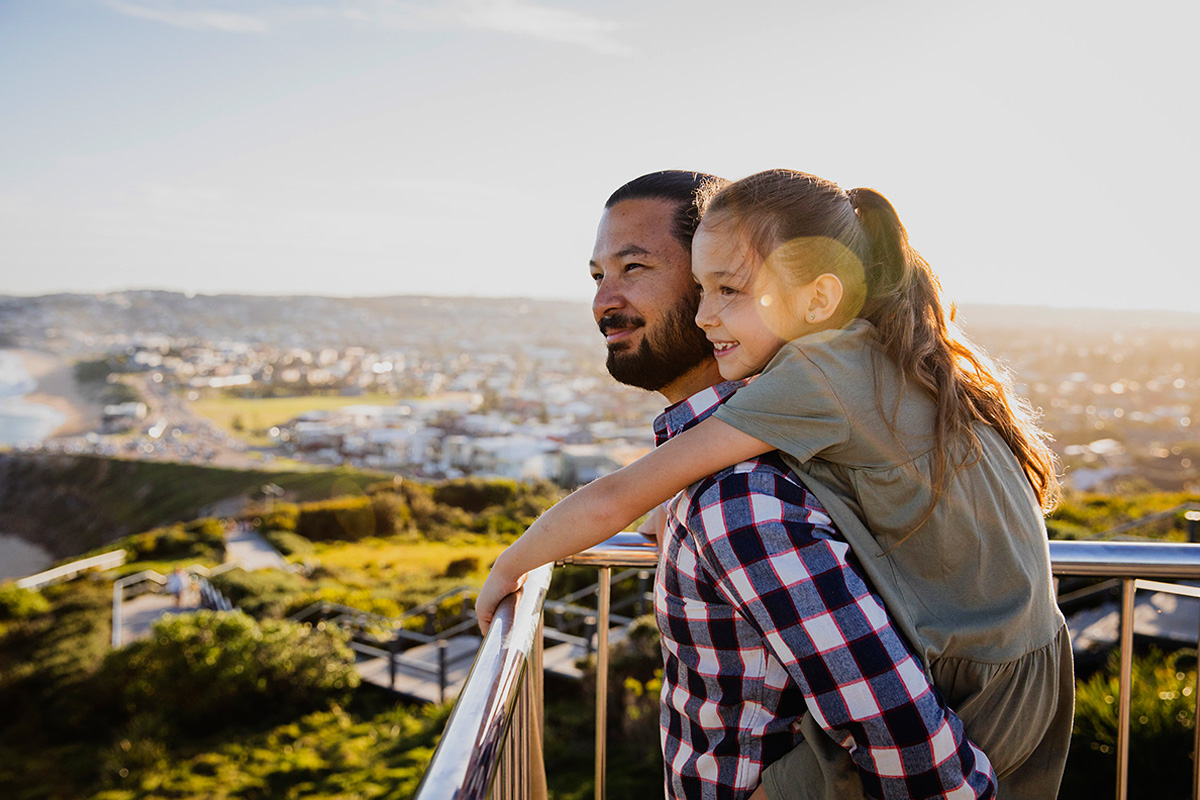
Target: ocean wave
14,380
22,422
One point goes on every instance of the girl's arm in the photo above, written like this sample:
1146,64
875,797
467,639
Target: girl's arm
607,505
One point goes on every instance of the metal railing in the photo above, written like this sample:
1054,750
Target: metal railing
65,572
151,581
1135,565
492,744
379,636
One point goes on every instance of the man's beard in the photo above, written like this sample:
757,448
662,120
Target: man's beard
663,356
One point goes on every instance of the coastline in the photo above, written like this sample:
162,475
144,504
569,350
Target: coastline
57,389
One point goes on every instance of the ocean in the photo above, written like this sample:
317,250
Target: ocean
22,422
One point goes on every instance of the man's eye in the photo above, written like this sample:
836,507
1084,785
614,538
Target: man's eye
633,266
597,276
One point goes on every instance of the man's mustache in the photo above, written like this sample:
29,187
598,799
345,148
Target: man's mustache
619,322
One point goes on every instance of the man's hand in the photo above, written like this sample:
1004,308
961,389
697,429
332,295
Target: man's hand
499,584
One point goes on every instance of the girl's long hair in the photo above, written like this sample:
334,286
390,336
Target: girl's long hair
903,300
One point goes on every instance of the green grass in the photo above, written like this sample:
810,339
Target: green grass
139,495
249,418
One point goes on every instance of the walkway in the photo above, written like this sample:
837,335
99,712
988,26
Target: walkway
139,614
243,545
417,669
251,550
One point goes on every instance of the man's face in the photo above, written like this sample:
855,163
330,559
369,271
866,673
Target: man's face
646,299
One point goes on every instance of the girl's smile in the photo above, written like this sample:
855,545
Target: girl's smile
739,312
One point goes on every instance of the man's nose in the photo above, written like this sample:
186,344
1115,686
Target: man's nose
608,298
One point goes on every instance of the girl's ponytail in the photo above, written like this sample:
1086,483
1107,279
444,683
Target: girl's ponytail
904,302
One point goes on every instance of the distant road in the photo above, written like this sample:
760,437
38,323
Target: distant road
205,442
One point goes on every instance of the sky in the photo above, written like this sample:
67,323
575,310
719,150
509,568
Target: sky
1039,153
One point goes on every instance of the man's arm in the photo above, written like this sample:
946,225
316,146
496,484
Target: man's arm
818,617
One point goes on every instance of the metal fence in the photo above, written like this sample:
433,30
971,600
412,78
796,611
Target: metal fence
492,744
473,757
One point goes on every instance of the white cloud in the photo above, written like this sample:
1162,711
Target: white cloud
517,17
543,22
180,16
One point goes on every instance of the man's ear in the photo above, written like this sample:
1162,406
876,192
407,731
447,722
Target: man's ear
824,295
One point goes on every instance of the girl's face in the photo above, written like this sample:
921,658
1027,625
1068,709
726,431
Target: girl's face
745,307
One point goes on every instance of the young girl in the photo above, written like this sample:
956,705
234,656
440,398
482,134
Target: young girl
908,435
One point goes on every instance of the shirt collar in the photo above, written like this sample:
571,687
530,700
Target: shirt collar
678,418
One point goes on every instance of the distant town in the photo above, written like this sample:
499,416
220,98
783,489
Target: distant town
449,387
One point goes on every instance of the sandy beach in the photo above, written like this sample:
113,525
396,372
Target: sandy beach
57,389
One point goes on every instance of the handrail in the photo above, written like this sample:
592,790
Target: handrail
1145,559
1130,562
114,558
210,595
493,737
492,684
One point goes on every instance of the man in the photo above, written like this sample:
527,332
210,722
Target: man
769,631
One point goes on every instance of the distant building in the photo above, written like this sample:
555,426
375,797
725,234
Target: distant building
123,416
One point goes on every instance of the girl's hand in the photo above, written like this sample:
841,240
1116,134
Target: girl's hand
654,524
499,585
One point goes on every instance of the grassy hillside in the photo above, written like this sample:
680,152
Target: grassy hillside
251,417
73,504
243,705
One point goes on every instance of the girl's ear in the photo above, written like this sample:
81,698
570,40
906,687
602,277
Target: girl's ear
824,295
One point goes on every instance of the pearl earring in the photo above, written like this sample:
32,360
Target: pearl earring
812,317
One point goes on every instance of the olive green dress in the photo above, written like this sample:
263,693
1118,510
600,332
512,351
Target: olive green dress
965,576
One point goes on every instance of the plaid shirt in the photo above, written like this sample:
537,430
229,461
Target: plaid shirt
764,616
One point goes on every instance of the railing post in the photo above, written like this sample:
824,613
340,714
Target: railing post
643,579
441,670
1125,685
118,599
1196,723
605,592
393,646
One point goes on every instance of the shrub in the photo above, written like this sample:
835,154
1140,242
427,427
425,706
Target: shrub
200,539
288,543
280,517
499,525
349,518
476,494
392,514
210,667
16,603
462,567
265,593
1163,720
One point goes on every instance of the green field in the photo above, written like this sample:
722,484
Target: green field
250,418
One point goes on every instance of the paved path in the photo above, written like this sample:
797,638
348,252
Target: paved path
138,614
252,550
422,684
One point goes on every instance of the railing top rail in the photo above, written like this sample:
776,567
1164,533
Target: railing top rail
114,558
481,715
626,549
1147,559
138,577
1124,559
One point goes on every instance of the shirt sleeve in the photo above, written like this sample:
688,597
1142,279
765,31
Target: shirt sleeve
790,406
764,547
